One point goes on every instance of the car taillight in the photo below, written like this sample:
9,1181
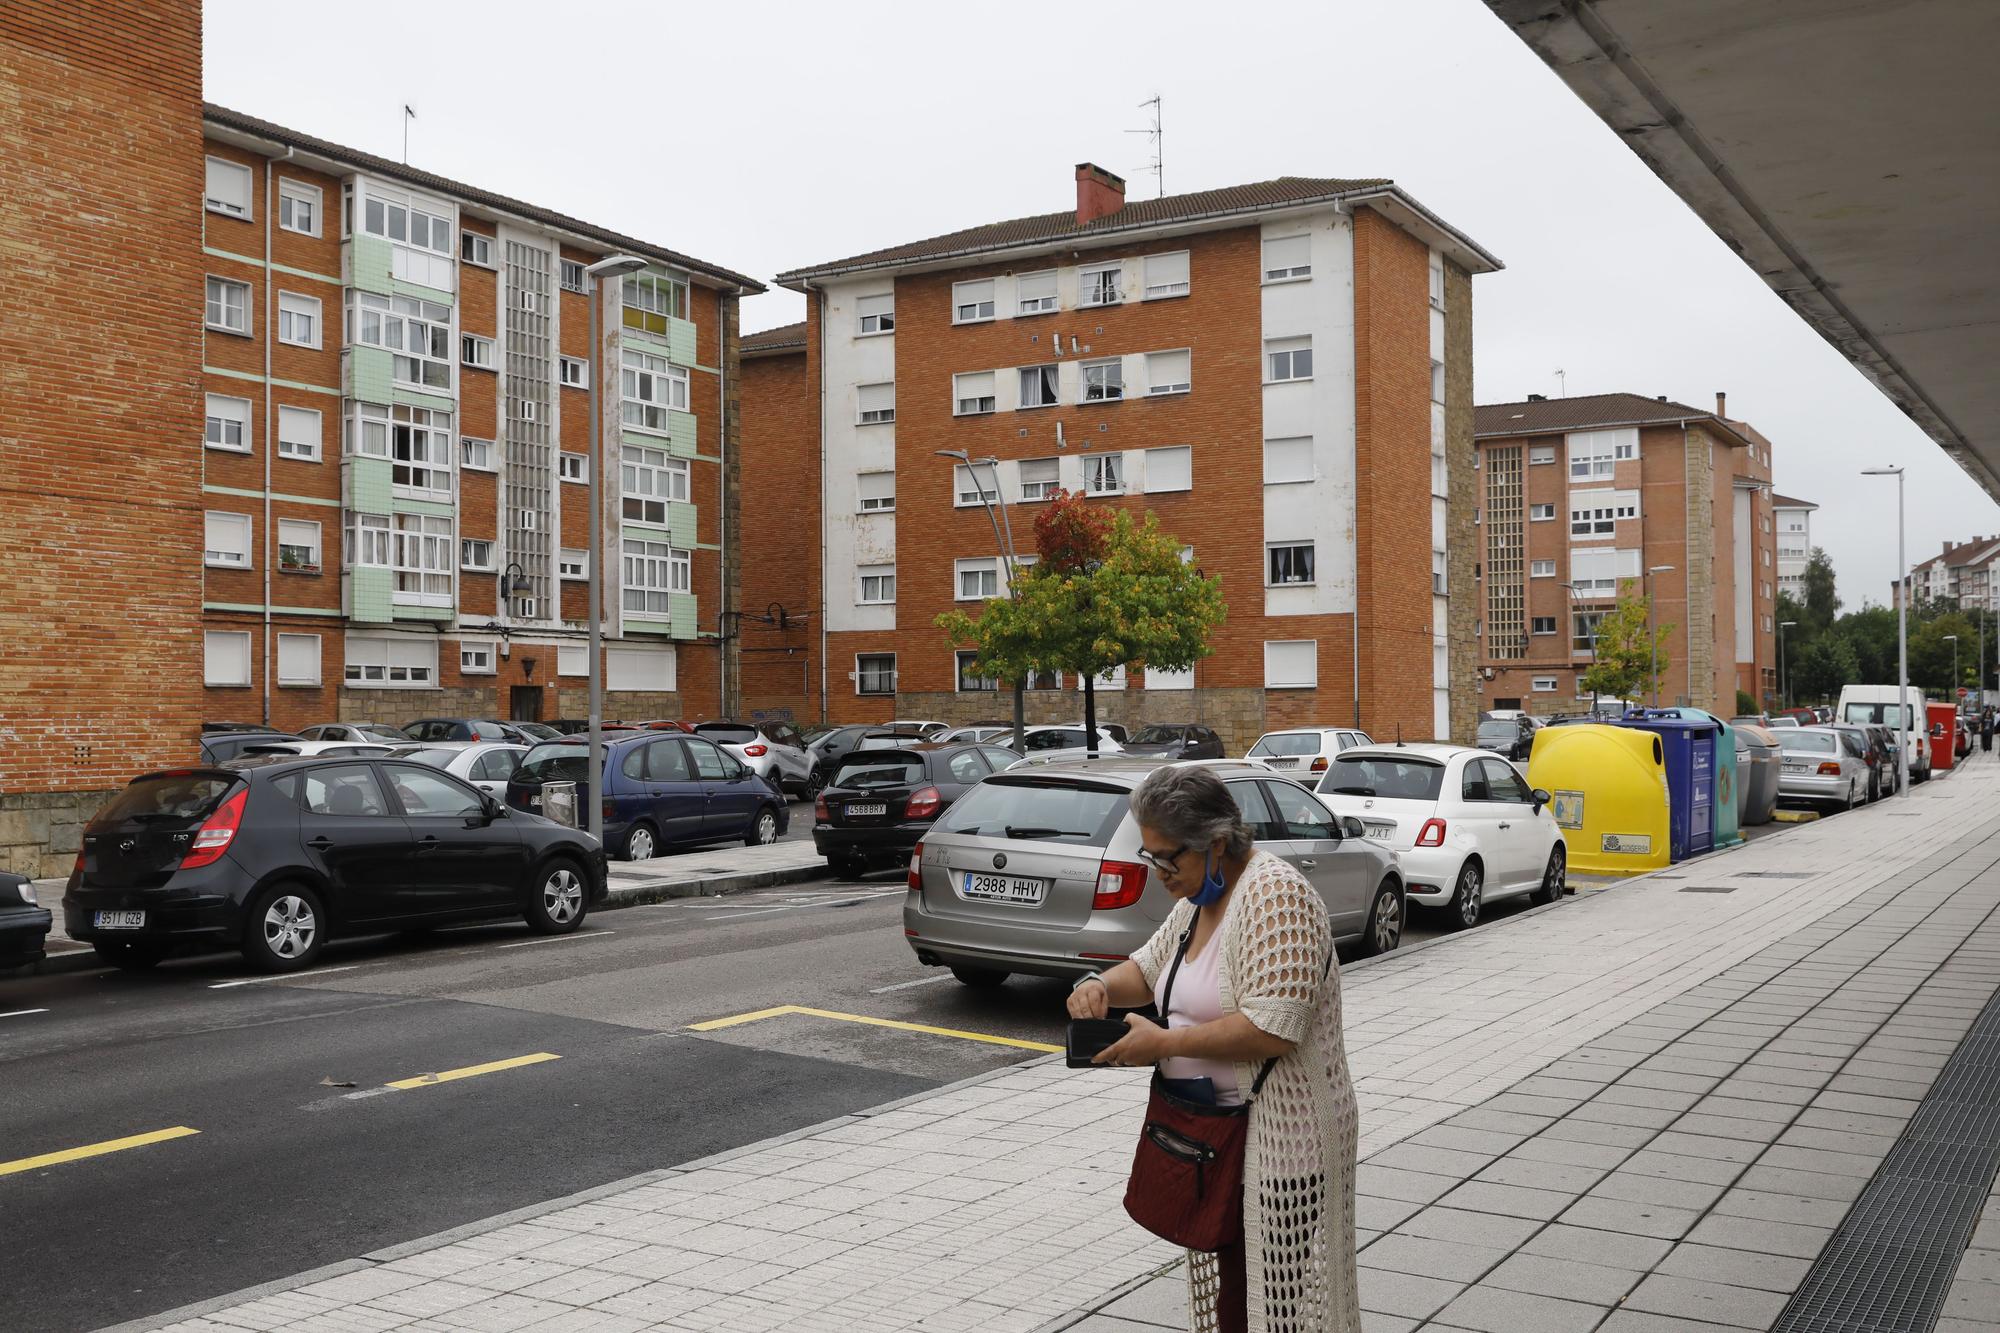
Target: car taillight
1830,769
212,839
1319,764
610,810
924,802
1431,834
756,751
917,868
820,812
1119,884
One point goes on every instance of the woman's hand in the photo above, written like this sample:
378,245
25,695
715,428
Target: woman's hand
1092,999
1144,1043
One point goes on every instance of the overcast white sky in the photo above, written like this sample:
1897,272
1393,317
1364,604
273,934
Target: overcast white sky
769,136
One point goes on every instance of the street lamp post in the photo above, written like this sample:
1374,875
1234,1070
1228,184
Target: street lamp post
1652,639
616,266
1005,541
1784,681
1902,634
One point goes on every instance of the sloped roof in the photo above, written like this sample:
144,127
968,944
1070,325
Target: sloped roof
424,180
784,338
1787,502
1553,416
1045,228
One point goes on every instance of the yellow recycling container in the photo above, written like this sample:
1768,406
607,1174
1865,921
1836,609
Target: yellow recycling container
1608,789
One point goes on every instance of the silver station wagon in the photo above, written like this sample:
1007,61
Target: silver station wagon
1036,870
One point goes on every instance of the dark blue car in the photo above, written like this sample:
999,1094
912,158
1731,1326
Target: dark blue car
660,790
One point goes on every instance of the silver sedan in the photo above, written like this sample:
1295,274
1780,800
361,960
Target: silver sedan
485,764
1821,767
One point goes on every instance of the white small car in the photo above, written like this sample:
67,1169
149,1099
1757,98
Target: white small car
1047,744
1303,751
1465,826
485,764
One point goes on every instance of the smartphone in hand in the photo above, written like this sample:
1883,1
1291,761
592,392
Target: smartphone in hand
1086,1037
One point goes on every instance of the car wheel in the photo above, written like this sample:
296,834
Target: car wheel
765,830
981,978
285,929
1553,876
815,783
640,844
560,899
1463,909
131,955
1385,921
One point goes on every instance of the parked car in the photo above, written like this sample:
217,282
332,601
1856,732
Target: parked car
926,729
1513,737
1962,745
271,745
487,765
1821,767
1304,750
573,726
281,852
431,729
1782,720
24,922
774,751
1037,871
536,731
1466,828
660,790
360,733
978,731
828,745
658,724
218,746
1052,744
1175,740
880,803
1881,775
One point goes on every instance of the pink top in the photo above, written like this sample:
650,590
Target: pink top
1197,1000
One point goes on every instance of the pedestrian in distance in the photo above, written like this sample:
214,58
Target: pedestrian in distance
1986,729
1250,1071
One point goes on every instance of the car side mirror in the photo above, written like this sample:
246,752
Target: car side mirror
1540,798
1350,827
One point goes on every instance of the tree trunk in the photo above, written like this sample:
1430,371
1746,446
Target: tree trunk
1090,716
1021,717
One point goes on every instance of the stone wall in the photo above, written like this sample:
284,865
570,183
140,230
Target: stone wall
40,832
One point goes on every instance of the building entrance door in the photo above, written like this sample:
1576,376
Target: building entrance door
525,703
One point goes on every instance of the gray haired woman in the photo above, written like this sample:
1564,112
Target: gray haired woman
1257,982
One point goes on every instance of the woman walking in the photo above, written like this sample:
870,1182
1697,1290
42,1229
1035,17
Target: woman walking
1255,982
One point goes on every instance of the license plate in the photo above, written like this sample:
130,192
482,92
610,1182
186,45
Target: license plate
119,920
1379,830
1795,768
1282,763
1004,888
868,808
536,800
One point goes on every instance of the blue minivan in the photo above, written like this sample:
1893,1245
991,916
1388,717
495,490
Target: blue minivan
660,790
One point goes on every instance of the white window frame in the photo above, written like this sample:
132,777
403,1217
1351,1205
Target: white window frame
1092,289
1287,554
1044,394
1169,286
572,564
424,560
300,528
1041,302
874,504
475,349
397,218
300,320
367,540
986,569
217,299
294,196
572,467
863,675
1277,273
650,479
1544,512
1544,684
973,302
295,678
1541,453
649,387
960,665
238,646
1181,454
416,333
1154,387
875,315
471,447
1104,474
652,570
981,404
974,486
475,248
1535,624
1594,514
1289,679
369,662
215,425
476,554
242,555
305,444
883,579
1541,569
564,268
1437,280
1044,487
1103,380
1288,355
1595,455
478,657
1312,468
215,203
418,442
878,414
573,372
1440,572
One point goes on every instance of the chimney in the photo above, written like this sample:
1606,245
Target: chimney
1722,404
1538,398
1098,193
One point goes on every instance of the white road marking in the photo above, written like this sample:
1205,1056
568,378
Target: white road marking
284,976
22,1013
844,900
735,916
905,985
558,939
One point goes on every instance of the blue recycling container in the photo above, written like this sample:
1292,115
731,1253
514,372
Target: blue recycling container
1690,745
1728,779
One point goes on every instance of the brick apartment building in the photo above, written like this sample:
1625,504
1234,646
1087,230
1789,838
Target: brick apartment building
1967,573
1578,498
333,467
1794,520
1281,372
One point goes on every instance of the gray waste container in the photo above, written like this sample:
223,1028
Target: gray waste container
1757,769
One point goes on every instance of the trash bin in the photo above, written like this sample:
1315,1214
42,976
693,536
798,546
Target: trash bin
1608,795
1759,781
1943,719
1729,790
1690,745
559,802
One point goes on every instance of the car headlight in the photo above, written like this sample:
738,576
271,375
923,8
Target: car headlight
28,894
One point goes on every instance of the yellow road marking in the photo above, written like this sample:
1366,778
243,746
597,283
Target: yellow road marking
736,1020
472,1071
94,1150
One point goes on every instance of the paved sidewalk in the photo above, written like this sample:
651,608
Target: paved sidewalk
1637,1111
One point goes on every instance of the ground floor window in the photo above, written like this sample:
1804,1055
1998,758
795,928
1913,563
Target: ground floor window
875,673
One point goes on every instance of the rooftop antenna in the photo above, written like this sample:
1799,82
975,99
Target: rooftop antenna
1562,383
1158,165
409,114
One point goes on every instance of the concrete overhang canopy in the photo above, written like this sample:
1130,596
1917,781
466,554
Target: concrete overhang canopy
1848,150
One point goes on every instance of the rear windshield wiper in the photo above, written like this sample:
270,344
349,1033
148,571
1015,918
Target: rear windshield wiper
1015,831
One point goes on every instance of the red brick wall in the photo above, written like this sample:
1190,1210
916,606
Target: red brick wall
100,391
781,553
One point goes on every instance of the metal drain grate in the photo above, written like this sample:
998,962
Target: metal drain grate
1888,1266
1709,888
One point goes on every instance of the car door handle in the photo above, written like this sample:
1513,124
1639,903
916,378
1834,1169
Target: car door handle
319,844
1505,824
427,843
1307,863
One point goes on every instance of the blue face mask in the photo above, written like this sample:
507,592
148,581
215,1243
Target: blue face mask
1211,884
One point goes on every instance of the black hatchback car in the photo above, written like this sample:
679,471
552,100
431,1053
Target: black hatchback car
276,853
1176,740
882,802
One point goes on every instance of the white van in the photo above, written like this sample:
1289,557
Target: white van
1877,703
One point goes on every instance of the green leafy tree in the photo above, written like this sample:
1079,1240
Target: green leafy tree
1625,652
1094,601
1824,665
1821,602
1745,702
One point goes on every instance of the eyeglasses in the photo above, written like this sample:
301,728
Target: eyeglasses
1163,864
